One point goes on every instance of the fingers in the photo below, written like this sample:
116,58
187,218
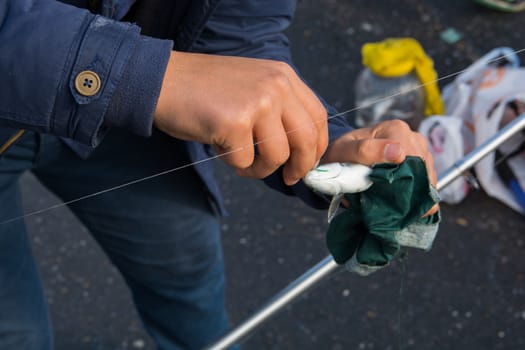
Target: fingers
304,142
432,211
304,119
294,133
389,141
232,103
365,146
239,155
374,151
413,143
273,150
315,109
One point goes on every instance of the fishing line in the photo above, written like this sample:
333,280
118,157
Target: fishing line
116,187
59,205
403,261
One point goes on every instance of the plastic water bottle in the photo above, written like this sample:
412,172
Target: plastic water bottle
379,98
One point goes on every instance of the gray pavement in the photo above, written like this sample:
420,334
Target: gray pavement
468,292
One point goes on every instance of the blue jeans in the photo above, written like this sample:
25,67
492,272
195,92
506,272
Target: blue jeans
162,234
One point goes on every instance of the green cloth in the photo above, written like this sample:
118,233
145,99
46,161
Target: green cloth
389,214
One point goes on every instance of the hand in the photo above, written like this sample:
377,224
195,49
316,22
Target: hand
387,142
234,103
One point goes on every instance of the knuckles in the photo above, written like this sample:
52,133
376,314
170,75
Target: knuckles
310,135
397,126
363,148
264,104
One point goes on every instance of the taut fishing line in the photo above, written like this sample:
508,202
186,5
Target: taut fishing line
403,260
40,211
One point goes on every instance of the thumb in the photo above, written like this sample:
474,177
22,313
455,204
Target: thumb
367,151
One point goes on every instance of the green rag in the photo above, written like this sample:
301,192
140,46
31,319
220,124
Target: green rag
386,216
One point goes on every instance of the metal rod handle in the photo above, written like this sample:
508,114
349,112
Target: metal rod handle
326,266
294,289
490,145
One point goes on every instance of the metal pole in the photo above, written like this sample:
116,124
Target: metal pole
481,151
326,266
294,289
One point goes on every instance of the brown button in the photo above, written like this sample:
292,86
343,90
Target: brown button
87,83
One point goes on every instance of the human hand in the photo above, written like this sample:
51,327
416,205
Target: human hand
390,141
234,103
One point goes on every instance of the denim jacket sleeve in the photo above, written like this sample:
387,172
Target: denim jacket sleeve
45,45
255,28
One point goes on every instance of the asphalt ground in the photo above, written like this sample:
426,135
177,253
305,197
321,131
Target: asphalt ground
468,292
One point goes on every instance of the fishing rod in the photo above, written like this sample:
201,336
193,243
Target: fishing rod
327,266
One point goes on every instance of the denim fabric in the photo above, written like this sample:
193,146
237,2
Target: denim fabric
162,234
24,321
130,65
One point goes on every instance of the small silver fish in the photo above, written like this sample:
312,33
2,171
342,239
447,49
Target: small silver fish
336,179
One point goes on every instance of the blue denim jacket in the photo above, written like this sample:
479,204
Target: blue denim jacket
45,44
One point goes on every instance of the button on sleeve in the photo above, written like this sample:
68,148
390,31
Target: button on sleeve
87,83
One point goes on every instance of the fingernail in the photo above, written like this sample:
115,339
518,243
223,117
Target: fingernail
392,151
291,182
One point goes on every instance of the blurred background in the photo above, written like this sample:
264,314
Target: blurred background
468,292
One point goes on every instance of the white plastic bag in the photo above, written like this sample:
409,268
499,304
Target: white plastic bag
474,103
446,142
486,125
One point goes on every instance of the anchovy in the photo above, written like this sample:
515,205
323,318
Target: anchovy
336,179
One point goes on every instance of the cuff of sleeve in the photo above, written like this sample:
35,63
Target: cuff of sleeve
109,53
134,102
